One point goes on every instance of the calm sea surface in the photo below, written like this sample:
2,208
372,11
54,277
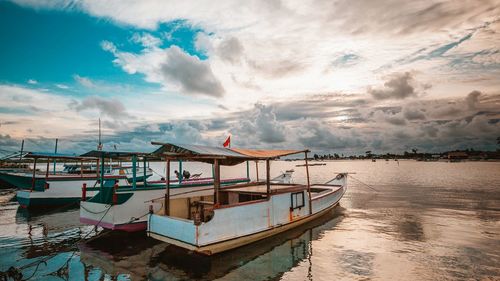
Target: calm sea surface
426,221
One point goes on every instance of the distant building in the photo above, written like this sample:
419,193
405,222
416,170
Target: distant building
457,155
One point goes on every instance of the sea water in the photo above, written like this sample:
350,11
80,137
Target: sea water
399,220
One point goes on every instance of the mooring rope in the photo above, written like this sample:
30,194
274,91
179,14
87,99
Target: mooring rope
365,184
161,176
16,272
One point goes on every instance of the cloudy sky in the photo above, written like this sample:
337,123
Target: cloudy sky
341,76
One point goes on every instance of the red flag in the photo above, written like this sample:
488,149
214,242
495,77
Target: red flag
227,143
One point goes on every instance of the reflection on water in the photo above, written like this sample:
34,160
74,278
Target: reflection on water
428,221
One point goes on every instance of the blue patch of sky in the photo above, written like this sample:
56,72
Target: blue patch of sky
422,55
52,46
442,50
346,60
19,111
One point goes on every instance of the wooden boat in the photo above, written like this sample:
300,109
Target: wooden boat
132,204
237,215
47,189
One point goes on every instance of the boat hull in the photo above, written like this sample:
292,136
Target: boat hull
60,192
240,241
244,223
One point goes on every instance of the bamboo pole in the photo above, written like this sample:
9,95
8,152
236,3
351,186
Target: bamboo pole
308,185
167,191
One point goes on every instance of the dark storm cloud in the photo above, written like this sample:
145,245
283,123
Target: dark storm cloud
192,74
319,135
413,113
472,99
320,106
399,86
261,124
230,50
8,143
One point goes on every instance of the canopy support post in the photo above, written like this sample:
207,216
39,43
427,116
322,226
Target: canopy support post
81,168
167,190
55,151
257,169
47,172
34,175
180,172
308,185
97,168
144,169
101,179
134,171
216,183
268,178
248,170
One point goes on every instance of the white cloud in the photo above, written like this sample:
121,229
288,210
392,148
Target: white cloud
84,81
171,67
61,86
32,82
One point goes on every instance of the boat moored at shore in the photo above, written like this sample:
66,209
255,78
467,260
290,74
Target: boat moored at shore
233,216
51,188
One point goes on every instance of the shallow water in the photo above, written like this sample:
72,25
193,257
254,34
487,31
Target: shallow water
426,221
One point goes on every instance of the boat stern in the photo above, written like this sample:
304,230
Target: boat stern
103,215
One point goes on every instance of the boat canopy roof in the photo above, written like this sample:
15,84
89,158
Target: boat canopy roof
226,156
266,154
51,155
114,154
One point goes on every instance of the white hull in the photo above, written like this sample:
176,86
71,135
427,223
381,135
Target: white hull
132,214
60,192
240,224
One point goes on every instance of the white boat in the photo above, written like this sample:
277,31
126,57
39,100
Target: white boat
132,205
237,215
52,188
129,211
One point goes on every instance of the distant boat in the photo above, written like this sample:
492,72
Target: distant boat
373,160
313,164
240,214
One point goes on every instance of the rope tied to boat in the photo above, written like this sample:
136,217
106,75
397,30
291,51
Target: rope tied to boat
16,272
107,206
364,184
